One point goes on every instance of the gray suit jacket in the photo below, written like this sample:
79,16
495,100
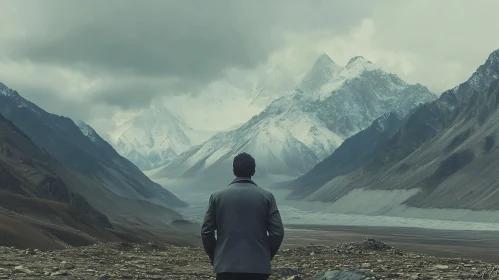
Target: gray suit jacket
248,227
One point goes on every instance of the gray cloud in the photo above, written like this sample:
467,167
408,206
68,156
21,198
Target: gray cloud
193,42
46,99
157,40
133,93
90,59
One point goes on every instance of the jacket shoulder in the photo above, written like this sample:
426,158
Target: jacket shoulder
229,189
266,192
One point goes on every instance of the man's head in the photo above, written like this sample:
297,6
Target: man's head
244,165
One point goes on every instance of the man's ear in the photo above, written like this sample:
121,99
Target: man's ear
254,171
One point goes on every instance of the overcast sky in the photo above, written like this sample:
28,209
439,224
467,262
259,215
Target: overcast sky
94,60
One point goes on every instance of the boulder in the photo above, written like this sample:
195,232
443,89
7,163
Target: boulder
285,271
341,275
295,278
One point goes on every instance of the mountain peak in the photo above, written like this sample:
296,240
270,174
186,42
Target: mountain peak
158,107
493,59
4,90
481,79
324,63
358,60
495,54
322,71
491,65
356,66
324,58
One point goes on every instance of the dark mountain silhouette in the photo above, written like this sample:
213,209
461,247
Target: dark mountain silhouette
34,196
89,155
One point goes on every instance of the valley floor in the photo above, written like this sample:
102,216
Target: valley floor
480,245
153,261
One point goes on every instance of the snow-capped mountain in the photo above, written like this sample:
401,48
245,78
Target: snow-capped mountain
285,137
155,137
162,132
361,92
298,130
443,155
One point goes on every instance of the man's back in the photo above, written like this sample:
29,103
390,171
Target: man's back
248,226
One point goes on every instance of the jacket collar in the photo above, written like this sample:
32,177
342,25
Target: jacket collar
243,180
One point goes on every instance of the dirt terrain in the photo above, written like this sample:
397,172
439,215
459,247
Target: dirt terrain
153,261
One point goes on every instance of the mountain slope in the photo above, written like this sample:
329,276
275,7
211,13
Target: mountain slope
297,131
286,140
33,192
45,205
91,156
155,137
348,157
361,92
444,155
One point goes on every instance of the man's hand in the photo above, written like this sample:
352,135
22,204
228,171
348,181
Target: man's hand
208,230
275,228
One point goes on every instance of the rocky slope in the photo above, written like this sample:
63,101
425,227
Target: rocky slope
37,206
297,131
46,205
444,153
369,259
86,153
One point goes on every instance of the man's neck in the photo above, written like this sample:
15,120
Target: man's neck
243,180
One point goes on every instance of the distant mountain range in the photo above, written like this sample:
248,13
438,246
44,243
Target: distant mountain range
155,137
442,155
297,131
55,159
352,139
160,133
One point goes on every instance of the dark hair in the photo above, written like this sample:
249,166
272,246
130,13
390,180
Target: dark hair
244,165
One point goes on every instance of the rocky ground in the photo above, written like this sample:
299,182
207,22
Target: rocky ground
153,261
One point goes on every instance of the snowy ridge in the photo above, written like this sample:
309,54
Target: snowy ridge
297,131
13,96
5,91
355,67
87,130
282,137
155,137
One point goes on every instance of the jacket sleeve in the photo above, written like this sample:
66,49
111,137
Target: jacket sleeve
208,230
275,228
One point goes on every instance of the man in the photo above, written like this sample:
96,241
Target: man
248,227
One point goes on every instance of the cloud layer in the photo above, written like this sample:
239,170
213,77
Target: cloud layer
93,60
